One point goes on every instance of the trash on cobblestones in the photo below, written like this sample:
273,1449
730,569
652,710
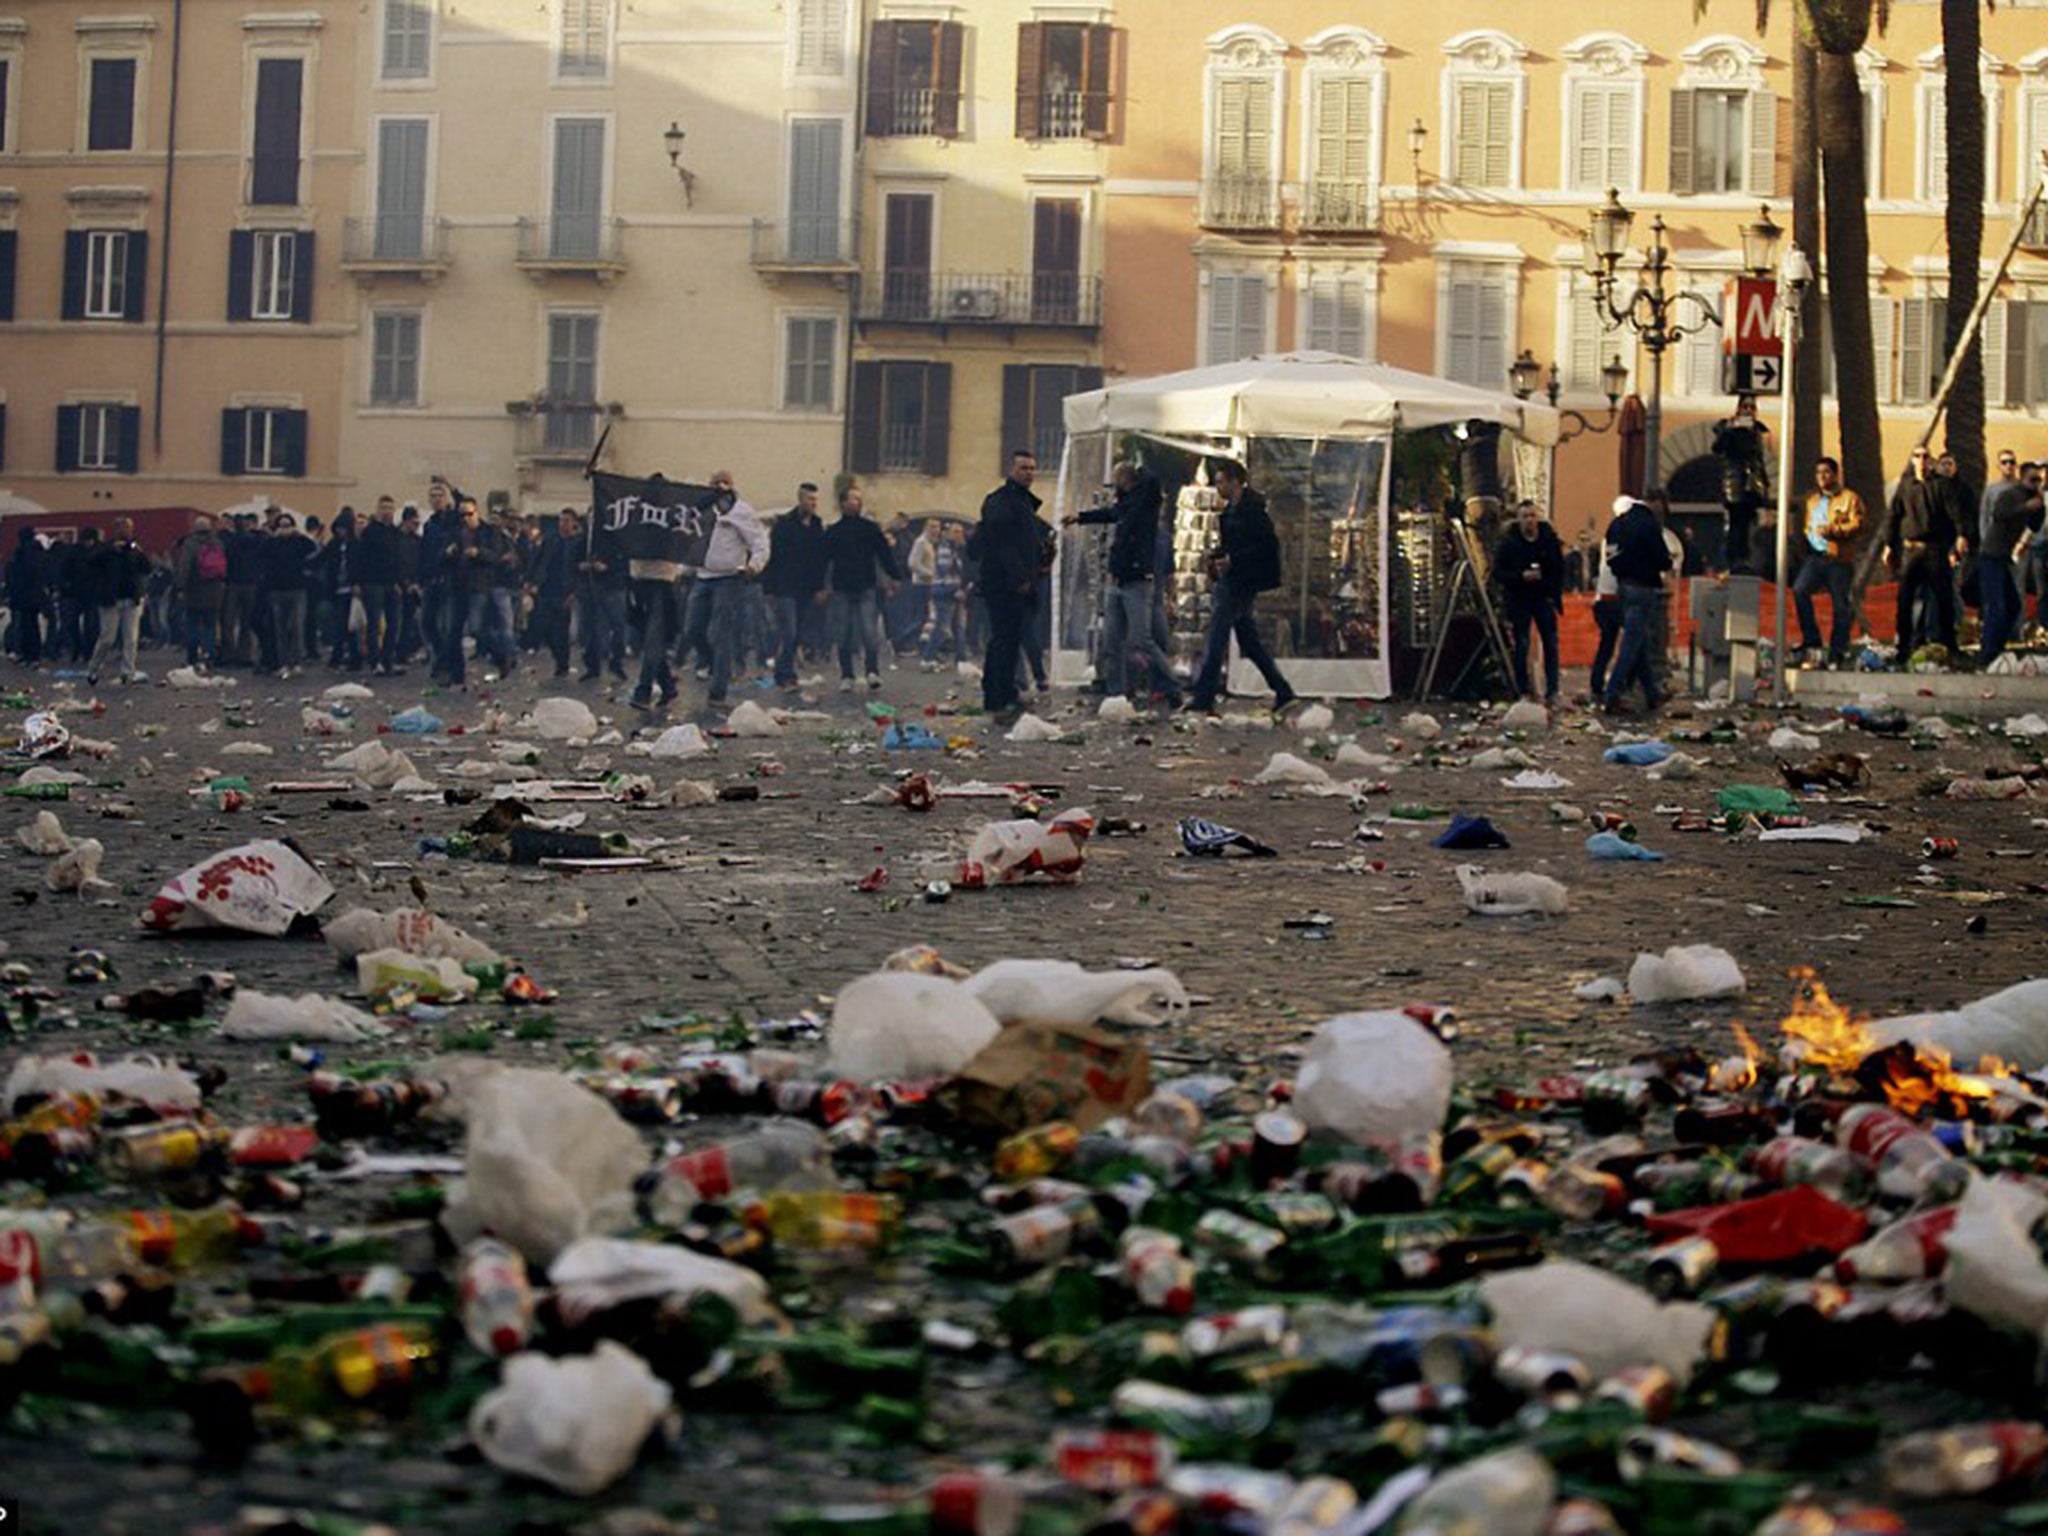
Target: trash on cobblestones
679,741
2027,725
145,1079
2010,787
1031,727
1820,832
1003,852
561,719
45,835
1525,715
192,677
78,869
1315,719
1286,768
577,1423
1508,1493
1965,1459
265,1016
415,931
1116,710
1061,992
1685,973
910,736
1601,989
373,765
1423,727
1612,845
750,719
1211,839
416,721
261,887
687,793
2010,1024
440,979
1470,833
1788,739
900,1026
1564,1307
1537,778
44,735
1638,754
1504,894
1834,770
1033,1074
1374,1079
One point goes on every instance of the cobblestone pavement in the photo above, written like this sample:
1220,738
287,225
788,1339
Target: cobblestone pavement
762,920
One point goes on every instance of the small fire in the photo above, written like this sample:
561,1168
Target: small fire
1734,1074
1911,1077
1834,1041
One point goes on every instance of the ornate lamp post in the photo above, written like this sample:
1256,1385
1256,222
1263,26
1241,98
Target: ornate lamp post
1522,376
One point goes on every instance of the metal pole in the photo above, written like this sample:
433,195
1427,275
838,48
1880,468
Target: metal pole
1653,415
1789,323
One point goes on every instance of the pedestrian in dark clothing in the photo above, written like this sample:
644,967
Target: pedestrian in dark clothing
409,547
377,556
1134,518
1245,563
78,596
238,613
201,576
120,576
340,575
27,598
1920,532
288,559
551,579
1528,563
860,571
1007,544
797,559
601,597
1639,557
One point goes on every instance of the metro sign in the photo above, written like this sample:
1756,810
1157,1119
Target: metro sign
1752,318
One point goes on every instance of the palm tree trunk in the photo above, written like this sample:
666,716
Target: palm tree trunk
1962,34
1806,377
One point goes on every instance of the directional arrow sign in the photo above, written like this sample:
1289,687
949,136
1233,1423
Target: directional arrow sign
1755,375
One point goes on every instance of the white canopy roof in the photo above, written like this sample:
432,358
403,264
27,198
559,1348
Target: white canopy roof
1300,394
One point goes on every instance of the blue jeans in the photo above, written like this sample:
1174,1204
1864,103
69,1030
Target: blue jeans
288,613
658,623
2001,606
945,620
1606,619
202,635
1231,614
1636,662
856,621
1128,627
487,617
604,627
725,606
380,624
1836,575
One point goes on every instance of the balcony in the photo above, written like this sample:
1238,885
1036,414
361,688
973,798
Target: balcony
1240,202
1063,115
1340,208
922,112
918,296
578,246
550,431
805,245
395,245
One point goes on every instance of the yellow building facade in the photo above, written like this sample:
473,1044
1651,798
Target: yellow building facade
1411,183
173,329
986,132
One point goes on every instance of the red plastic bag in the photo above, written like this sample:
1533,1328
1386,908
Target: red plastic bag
1777,1228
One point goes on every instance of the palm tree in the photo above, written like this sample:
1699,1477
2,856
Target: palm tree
1962,39
1805,382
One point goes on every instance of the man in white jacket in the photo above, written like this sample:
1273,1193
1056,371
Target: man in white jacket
733,560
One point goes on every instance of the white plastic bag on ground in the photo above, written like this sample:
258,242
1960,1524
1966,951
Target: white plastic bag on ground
561,719
374,765
679,741
1060,992
689,792
1994,1270
546,1161
350,692
750,719
1677,767
436,980
407,928
192,677
1374,1077
577,1422
1493,759
1316,719
1352,755
1116,710
78,869
45,835
1005,851
309,1016
594,1274
1511,894
1421,726
143,1078
1525,715
1564,1307
1786,739
1030,728
257,887
1685,973
2011,1024
1286,768
2029,724
1508,1493
902,1025
247,749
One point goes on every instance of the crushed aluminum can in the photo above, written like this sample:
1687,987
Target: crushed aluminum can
936,891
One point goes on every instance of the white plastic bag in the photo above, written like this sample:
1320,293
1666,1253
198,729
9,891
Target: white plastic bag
1374,1078
436,981
1421,726
1685,973
577,1422
1003,851
2011,1024
679,741
560,719
248,749
1525,715
1352,755
353,693
1030,728
1564,1307
192,677
1786,739
259,887
1994,1270
1286,768
45,835
1511,894
78,869
309,1016
408,928
594,1274
546,1161
1061,992
143,1078
902,1025
689,792
1508,1493
1316,719
1116,710
374,765
750,719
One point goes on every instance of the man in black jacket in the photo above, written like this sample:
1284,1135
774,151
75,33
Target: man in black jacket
377,584
1128,624
796,575
1920,531
1007,542
1639,557
1246,563
860,568
27,587
1529,565
120,573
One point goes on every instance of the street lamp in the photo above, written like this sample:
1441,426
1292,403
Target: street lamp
1793,278
1651,310
1522,376
672,140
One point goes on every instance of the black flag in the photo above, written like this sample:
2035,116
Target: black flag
651,519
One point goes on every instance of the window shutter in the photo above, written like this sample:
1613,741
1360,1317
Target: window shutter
110,115
821,37
946,102
2036,129
234,441
3,434
6,80
1099,86
302,276
1621,139
1258,130
2014,363
137,249
1763,144
1498,164
1703,362
938,414
1682,162
1884,325
1469,153
1589,123
1914,322
814,190
867,418
289,439
74,274
881,78
1030,77
1461,359
1934,134
1492,357
129,457
1324,302
1329,130
241,271
67,437
9,246
1582,370
274,174
1016,413
1991,353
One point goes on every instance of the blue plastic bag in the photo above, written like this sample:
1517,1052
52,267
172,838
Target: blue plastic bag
1612,845
1638,754
910,737
1471,832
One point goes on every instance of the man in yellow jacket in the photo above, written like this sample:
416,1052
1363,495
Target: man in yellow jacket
1835,521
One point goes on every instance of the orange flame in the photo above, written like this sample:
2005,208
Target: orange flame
1836,1042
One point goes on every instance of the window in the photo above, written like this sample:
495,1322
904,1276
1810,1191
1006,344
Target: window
110,107
1475,322
408,39
104,274
814,189
100,437
1241,191
1700,357
9,245
395,357
1034,401
907,256
584,48
1484,88
1337,314
1063,80
270,274
1237,320
810,356
262,440
1933,167
1344,154
914,79
576,211
1603,106
1588,344
6,96
820,36
571,415
2013,349
1724,123
401,188
274,155
902,417
1056,261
